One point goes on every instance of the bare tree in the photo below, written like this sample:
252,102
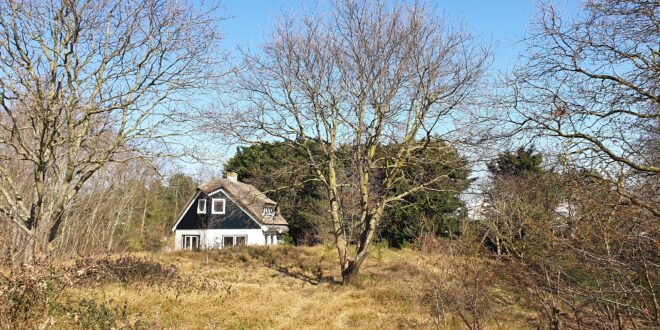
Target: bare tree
346,84
591,82
84,83
589,88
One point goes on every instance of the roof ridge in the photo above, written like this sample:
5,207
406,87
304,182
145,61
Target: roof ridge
247,196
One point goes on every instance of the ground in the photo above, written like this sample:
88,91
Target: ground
279,287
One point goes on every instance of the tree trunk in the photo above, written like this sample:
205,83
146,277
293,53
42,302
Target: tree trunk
349,271
351,268
143,238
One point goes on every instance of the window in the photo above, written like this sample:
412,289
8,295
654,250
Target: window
240,241
218,206
201,206
268,211
190,242
229,241
271,239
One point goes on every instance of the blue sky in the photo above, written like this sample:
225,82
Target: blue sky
499,22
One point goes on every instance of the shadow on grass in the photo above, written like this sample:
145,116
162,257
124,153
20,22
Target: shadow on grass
316,279
294,262
299,263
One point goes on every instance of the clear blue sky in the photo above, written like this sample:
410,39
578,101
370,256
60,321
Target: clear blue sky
499,22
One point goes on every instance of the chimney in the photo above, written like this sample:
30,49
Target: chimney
232,176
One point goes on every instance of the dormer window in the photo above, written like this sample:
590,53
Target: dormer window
268,211
201,206
218,206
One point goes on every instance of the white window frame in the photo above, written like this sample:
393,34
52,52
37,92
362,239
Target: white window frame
224,206
271,239
203,209
191,242
268,211
234,239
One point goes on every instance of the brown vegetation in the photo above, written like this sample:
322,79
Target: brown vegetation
258,287
569,237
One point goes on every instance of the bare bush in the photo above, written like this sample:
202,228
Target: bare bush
592,265
35,296
460,290
124,269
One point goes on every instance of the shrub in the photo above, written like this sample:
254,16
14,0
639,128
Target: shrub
31,296
125,269
27,295
460,290
89,314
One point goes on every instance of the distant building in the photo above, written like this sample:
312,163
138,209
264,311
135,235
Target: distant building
225,213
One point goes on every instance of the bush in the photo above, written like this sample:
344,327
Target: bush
287,240
27,296
31,297
463,291
91,315
125,269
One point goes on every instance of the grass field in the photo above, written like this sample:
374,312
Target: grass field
279,288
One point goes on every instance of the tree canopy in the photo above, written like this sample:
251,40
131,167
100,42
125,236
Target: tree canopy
282,173
522,161
437,211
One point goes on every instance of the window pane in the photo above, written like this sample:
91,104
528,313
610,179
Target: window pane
201,206
228,241
240,240
218,206
190,242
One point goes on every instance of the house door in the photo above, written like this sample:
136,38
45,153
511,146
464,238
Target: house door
190,242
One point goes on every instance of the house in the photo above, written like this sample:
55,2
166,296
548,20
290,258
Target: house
224,213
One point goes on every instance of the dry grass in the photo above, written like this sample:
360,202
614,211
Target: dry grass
288,288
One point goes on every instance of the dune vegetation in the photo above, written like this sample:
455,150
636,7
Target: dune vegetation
410,173
281,287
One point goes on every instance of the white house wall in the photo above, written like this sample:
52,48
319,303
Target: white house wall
212,238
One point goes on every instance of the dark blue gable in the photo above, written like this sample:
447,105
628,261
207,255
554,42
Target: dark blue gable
234,217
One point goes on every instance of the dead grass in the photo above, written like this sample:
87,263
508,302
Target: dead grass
283,287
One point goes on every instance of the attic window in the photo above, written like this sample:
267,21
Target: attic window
201,206
268,211
218,206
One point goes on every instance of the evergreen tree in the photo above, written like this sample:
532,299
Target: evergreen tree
436,211
282,173
520,162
